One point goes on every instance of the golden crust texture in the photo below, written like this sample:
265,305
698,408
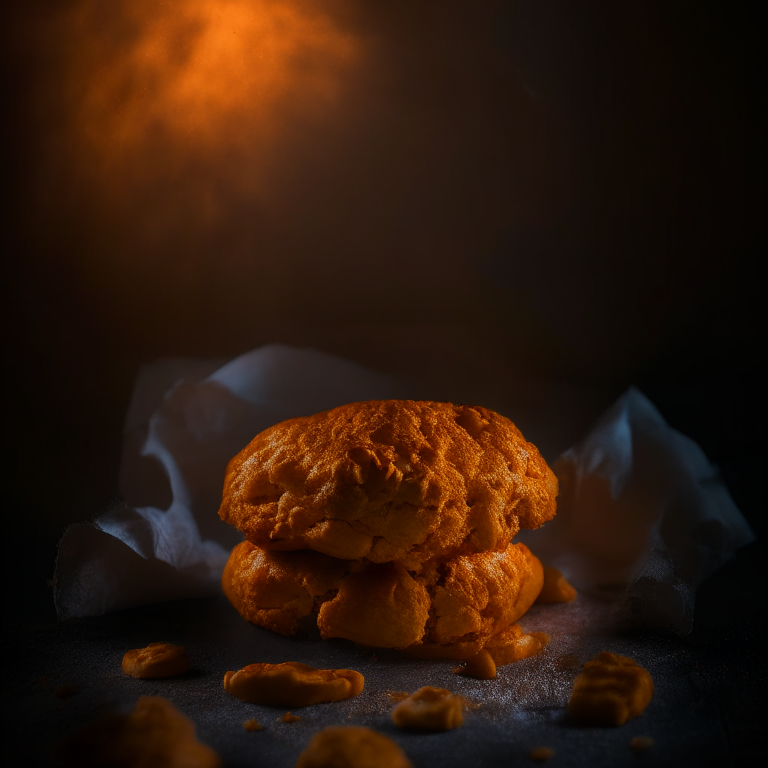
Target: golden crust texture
448,610
390,481
475,597
276,589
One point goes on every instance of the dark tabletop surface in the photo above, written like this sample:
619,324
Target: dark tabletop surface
707,708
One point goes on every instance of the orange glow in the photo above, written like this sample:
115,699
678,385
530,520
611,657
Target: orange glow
202,73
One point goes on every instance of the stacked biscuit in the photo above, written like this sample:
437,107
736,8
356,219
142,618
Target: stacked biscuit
390,522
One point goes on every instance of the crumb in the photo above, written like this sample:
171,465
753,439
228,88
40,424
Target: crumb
540,754
154,734
352,745
641,744
253,725
155,661
292,684
396,696
289,718
512,644
434,709
610,690
480,666
556,588
65,691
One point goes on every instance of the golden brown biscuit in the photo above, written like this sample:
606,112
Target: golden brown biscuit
391,481
449,610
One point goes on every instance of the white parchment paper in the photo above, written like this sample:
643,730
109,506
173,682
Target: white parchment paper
186,420
642,518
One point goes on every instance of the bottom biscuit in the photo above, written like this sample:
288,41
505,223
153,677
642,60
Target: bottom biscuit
449,610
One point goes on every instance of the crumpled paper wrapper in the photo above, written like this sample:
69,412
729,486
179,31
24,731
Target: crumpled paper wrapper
187,418
643,517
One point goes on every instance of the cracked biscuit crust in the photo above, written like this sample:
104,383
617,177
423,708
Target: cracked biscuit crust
389,480
449,610
277,589
475,597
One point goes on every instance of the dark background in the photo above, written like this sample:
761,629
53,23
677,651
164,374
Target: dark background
493,200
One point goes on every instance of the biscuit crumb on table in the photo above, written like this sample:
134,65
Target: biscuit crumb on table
352,745
540,754
641,744
434,709
610,690
512,644
292,684
154,734
289,718
253,725
396,696
556,588
155,661
481,666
